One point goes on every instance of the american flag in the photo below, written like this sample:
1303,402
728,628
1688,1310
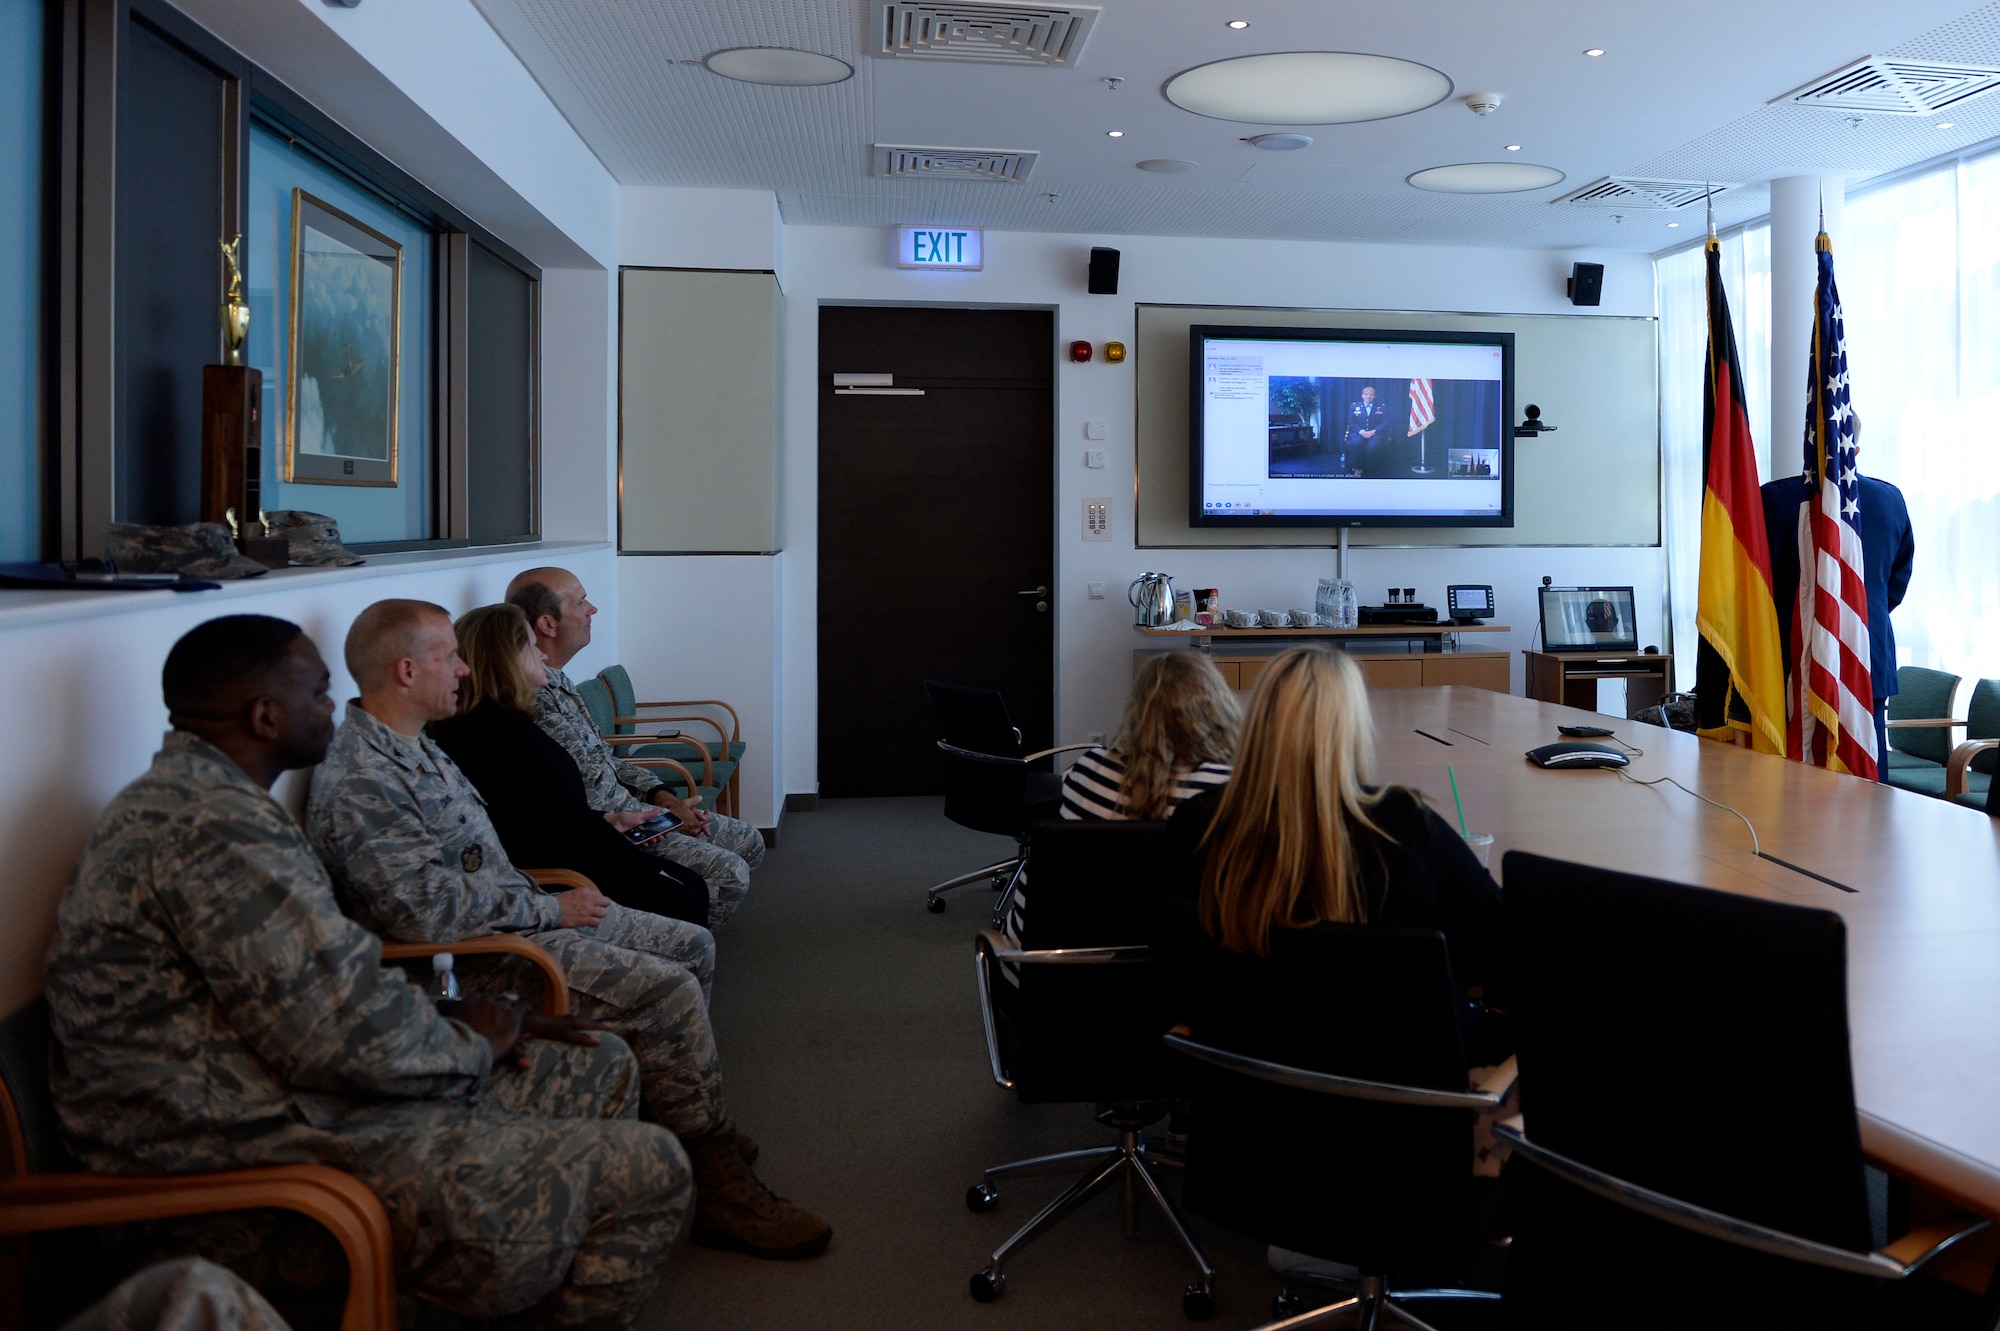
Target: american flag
1832,722
1423,411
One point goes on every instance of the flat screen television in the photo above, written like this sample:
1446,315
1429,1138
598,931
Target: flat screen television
1350,427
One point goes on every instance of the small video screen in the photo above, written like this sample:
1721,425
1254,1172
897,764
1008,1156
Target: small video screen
1585,619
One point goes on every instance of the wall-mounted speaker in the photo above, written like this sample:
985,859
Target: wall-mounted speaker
1104,272
1586,283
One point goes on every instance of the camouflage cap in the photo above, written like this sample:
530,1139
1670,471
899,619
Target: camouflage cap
198,550
314,538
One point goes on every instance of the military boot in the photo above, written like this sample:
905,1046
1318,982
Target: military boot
733,1209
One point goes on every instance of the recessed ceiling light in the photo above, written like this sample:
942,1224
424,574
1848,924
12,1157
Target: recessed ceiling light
1513,147
1595,51
1238,24
1168,166
1115,133
1672,225
1307,88
779,66
1280,143
1485,178
1944,124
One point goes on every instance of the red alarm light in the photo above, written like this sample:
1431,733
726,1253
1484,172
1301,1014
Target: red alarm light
1079,352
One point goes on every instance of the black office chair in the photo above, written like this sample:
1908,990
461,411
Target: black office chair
1333,1116
1689,1105
1084,1025
992,784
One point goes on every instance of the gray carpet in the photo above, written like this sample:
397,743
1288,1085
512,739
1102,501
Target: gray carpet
851,1045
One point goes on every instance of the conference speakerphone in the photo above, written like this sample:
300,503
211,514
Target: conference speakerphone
1577,753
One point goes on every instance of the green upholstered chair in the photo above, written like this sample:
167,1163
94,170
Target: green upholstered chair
717,761
1920,726
1969,769
597,700
42,1189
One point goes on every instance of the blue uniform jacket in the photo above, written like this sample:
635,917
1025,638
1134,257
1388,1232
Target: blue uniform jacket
1888,550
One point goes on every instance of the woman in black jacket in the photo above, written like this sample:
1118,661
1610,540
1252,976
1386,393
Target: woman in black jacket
532,787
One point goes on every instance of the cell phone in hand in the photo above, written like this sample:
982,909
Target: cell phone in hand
1583,732
646,833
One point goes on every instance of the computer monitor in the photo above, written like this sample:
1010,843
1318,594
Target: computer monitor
1588,619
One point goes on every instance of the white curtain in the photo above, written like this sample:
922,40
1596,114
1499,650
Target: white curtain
1919,271
1683,305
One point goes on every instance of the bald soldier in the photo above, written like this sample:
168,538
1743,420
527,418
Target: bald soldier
722,850
213,1009
414,857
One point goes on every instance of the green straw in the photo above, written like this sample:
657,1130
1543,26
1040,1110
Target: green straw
1456,800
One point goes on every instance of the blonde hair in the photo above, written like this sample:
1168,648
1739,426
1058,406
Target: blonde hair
1282,852
490,640
1181,714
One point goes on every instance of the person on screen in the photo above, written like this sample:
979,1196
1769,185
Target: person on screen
1601,618
1365,420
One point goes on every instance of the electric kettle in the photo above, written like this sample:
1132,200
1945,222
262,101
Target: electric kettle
1152,598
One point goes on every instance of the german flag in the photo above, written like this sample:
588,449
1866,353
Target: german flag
1739,666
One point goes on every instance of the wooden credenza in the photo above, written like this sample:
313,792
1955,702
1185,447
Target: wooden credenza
1242,654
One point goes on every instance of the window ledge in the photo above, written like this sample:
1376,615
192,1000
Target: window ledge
20,607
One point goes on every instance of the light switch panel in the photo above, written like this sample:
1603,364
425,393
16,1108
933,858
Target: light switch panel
1093,457
1095,590
1097,519
1093,429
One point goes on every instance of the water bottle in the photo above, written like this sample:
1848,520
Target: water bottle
444,984
1350,606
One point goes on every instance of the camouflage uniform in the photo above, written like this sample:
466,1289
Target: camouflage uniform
724,856
212,1009
188,1294
414,858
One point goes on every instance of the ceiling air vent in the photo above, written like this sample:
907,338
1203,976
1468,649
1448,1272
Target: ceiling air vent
1896,87
1634,192
988,31
953,163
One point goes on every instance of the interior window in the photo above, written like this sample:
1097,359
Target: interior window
21,176
303,447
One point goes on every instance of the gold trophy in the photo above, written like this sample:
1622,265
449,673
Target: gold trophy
235,310
232,429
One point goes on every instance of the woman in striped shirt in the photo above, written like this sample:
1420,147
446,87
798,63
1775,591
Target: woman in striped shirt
1175,740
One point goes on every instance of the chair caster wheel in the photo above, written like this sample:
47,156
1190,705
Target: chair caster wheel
1198,1302
987,1285
935,905
1285,1304
981,1198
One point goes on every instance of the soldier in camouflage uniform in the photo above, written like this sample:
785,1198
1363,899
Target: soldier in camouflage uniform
722,850
187,1294
212,1009
415,858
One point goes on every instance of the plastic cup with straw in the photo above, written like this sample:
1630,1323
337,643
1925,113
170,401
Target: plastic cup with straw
1480,843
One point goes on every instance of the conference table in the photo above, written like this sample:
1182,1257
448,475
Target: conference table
1916,879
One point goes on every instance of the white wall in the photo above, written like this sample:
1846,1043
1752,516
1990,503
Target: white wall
827,265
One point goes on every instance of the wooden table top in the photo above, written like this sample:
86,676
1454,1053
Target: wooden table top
1923,912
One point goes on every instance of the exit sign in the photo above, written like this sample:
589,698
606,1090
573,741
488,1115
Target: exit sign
940,247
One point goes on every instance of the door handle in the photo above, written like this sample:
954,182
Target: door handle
1039,591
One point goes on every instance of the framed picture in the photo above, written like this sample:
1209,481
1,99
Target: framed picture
342,369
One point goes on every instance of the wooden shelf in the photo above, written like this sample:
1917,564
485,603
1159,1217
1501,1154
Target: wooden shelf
1368,631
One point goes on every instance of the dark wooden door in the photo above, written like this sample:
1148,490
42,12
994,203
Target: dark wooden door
935,517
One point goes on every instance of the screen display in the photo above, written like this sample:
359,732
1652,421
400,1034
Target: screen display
1583,619
1470,600
1301,427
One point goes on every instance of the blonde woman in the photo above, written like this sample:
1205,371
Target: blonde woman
1174,741
1301,835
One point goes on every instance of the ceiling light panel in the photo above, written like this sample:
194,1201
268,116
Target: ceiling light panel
986,31
1486,178
986,164
1307,88
779,67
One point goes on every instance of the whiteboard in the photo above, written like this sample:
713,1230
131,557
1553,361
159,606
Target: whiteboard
1595,481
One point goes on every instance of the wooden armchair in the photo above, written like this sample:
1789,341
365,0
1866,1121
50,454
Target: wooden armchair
597,700
42,1188
721,757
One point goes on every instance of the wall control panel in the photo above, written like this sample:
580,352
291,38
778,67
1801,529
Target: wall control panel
1097,519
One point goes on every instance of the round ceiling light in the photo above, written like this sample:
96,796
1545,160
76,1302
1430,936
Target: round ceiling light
1168,166
1280,143
779,66
1486,178
1307,88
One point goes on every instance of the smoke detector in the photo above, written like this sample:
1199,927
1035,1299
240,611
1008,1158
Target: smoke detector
1483,103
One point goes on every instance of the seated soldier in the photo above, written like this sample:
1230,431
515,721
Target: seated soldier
414,857
212,1009
722,850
